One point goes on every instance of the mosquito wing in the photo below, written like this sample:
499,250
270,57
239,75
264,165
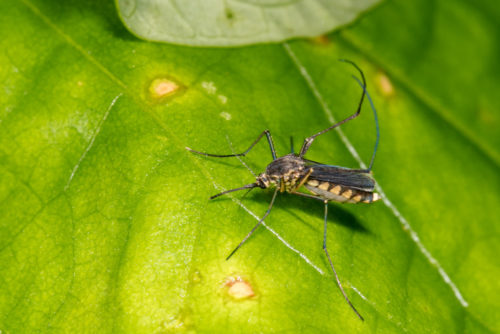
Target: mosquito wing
352,178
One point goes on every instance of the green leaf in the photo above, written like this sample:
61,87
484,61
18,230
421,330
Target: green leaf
105,222
226,23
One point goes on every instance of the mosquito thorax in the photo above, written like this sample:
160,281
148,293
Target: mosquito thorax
287,169
285,165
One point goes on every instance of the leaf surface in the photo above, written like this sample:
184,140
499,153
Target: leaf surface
105,222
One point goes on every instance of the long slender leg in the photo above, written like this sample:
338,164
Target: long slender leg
302,181
308,141
331,265
269,141
307,195
239,158
326,250
256,225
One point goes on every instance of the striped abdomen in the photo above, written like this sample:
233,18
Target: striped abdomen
340,193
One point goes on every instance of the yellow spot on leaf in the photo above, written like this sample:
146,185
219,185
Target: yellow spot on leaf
238,288
162,87
385,85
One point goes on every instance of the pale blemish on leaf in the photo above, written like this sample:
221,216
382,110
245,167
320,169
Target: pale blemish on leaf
162,87
209,86
222,99
238,288
211,89
227,116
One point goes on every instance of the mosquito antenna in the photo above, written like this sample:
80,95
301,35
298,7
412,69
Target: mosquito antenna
376,122
256,225
364,84
291,145
248,186
247,192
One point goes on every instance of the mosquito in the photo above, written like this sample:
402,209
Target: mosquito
327,183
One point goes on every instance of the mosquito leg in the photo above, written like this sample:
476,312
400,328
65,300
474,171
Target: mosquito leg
256,225
240,160
303,180
308,141
269,141
307,195
331,265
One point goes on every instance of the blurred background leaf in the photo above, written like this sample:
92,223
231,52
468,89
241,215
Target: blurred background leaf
225,23
105,223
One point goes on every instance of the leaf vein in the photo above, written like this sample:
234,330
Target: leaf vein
91,142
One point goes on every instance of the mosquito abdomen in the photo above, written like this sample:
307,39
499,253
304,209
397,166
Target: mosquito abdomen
339,193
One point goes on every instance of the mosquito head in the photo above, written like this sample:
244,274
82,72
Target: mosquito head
263,181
